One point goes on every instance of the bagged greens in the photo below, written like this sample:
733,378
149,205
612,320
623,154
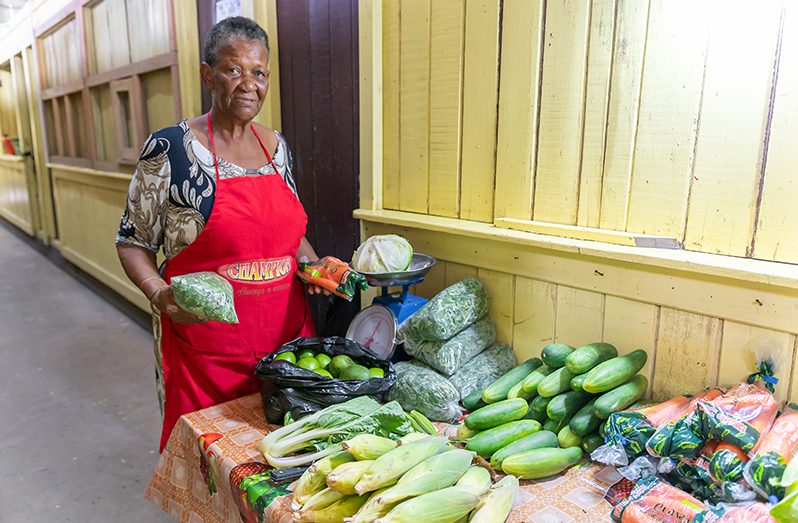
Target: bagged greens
450,311
483,369
448,356
383,253
206,294
420,388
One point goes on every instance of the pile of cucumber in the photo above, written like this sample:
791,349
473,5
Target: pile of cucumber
536,420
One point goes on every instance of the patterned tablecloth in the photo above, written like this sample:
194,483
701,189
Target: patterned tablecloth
208,448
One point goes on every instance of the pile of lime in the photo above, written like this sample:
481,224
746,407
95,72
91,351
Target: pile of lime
340,366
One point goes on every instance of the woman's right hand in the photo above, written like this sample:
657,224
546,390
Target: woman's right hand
163,300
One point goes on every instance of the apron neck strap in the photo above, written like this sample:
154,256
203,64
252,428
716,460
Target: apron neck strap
213,147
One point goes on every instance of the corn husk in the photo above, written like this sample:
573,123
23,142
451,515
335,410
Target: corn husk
371,510
322,499
388,468
442,506
476,479
368,446
334,513
345,476
413,436
434,473
497,504
314,479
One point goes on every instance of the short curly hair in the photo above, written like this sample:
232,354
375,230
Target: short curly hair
233,27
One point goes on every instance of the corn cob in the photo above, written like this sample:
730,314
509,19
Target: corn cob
424,422
476,479
322,499
314,479
344,477
372,510
389,467
368,446
434,473
334,513
496,506
442,506
413,436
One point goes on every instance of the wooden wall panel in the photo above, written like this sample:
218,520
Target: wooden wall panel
391,67
14,193
534,316
500,287
630,325
434,282
580,316
456,272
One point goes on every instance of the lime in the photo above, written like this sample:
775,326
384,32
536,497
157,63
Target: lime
305,353
323,359
355,372
339,363
287,356
322,372
376,372
308,363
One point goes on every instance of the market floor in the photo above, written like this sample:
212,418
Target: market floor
80,419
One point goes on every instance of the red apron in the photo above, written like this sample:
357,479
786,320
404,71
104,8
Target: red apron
251,238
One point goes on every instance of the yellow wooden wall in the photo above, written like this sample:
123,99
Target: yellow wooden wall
665,117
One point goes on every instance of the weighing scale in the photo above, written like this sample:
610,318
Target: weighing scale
377,325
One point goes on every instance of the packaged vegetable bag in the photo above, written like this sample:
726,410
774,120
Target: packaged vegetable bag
484,369
420,388
448,356
448,312
205,294
332,274
682,437
655,501
778,448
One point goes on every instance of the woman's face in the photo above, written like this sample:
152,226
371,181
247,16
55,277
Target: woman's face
240,78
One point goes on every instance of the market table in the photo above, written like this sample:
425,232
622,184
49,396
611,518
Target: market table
192,479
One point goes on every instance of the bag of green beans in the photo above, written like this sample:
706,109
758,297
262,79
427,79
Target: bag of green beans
205,294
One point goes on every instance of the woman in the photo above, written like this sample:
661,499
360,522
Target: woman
216,193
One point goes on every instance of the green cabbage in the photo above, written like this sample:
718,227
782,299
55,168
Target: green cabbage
381,254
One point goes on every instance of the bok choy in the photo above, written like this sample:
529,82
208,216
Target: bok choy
318,435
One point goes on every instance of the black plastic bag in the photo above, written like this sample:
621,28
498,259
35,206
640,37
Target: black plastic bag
289,388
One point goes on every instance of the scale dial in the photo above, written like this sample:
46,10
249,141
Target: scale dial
375,328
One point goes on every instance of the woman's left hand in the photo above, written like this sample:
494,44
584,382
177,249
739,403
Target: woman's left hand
315,289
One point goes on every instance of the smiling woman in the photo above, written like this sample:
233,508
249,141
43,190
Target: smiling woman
223,165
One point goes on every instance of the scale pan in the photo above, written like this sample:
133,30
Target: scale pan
420,265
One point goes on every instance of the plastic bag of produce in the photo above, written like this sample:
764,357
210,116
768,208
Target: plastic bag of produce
288,388
778,448
653,500
484,369
746,513
448,356
382,254
448,312
332,274
420,388
205,294
786,510
682,437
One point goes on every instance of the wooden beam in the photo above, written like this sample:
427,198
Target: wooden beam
161,61
370,63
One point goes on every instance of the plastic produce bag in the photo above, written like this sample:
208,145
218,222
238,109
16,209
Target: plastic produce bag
205,294
747,513
682,437
448,312
289,388
786,510
653,500
420,388
778,448
484,369
448,356
332,274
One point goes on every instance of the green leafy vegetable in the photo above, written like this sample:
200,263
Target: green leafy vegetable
448,356
420,388
450,311
206,294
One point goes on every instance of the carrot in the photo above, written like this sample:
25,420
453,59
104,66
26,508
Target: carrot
661,413
741,416
778,448
654,501
782,437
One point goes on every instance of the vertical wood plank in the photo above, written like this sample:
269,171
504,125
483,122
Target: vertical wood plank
778,211
627,71
580,316
390,103
188,59
731,135
673,77
446,77
434,282
599,66
370,93
738,353
456,272
480,94
687,353
522,31
533,316
630,325
561,112
414,100
794,378
500,286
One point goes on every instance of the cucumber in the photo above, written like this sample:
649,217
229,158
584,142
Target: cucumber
498,390
464,433
541,463
577,381
473,401
539,404
540,417
555,354
602,430
489,441
538,440
530,383
555,383
588,356
497,414
620,397
617,371
584,422
591,442
567,439
566,405
518,392
555,425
